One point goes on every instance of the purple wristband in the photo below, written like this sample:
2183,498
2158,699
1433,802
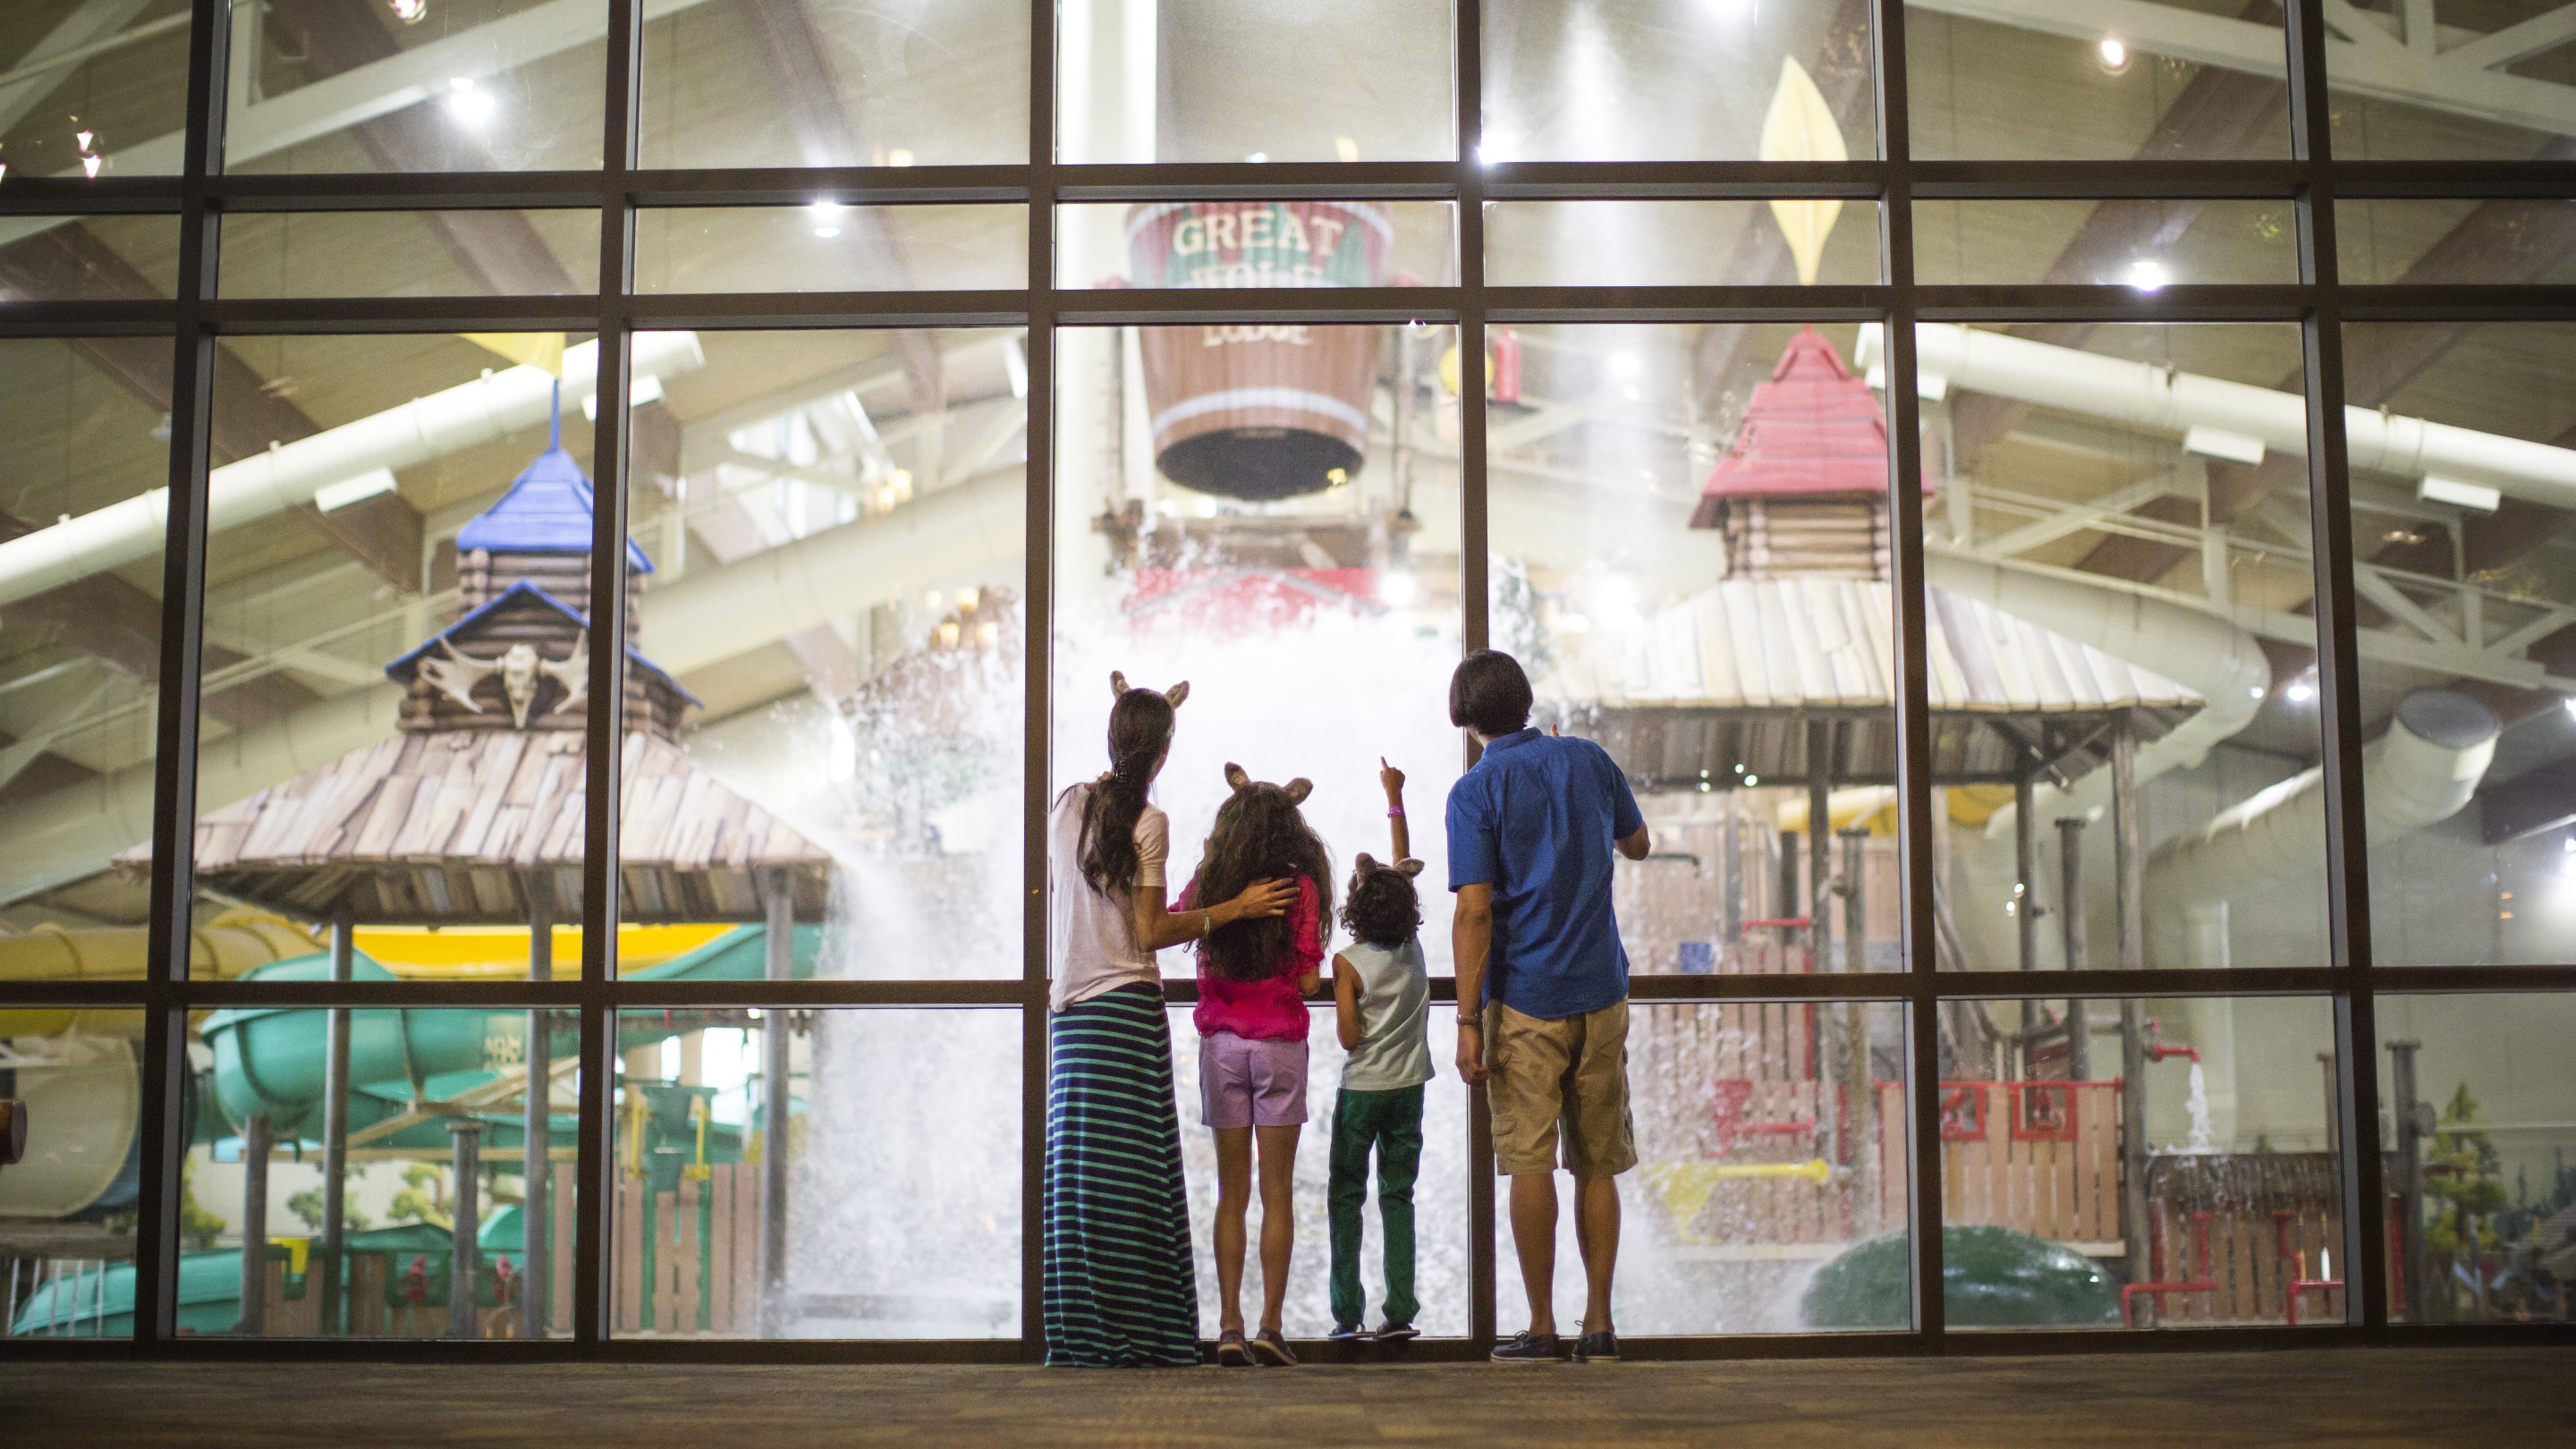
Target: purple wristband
1395,812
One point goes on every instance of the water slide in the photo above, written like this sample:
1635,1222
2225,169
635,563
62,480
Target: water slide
271,1059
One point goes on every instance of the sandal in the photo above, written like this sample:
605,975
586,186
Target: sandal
1230,1352
1397,1332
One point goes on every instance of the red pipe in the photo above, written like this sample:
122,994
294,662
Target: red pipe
2202,1284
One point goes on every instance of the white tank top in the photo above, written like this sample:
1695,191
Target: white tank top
1395,1003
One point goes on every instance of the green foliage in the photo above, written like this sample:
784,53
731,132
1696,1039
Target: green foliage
307,1205
196,1225
423,1198
2463,1181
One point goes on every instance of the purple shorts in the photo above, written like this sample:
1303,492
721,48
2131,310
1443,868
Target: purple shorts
1249,1082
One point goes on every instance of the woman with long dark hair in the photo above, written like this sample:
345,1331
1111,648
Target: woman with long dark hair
1254,976
1119,1286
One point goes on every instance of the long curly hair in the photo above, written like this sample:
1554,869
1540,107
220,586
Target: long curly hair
1259,835
1140,730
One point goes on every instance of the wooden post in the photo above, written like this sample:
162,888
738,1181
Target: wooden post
329,1261
775,1106
2129,863
537,1119
464,1265
254,1227
2026,901
2070,929
1820,919
1861,1076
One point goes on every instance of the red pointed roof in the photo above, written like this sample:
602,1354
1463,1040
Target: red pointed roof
1812,431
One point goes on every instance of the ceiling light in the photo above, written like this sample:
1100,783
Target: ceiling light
2299,692
89,166
409,12
1626,364
84,137
469,103
1258,157
2114,54
2148,275
899,156
827,218
1346,148
1753,779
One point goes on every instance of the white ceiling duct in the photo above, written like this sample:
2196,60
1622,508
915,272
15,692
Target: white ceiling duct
708,617
2419,773
2195,648
2148,396
492,406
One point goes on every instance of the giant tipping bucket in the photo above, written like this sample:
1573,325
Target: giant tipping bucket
1259,412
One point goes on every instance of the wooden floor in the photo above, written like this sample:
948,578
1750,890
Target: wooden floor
2490,1398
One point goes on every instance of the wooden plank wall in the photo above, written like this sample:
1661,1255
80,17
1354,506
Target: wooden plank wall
705,1255
2067,1192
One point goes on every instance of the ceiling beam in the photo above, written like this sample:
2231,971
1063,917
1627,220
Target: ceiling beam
90,22
800,75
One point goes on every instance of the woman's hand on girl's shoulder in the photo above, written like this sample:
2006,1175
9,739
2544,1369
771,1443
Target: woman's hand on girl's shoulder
1263,899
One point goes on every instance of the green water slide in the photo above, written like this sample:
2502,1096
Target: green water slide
272,1060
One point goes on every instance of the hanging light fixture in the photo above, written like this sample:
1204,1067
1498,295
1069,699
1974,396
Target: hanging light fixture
409,12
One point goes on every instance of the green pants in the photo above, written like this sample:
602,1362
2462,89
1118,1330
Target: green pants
1391,1123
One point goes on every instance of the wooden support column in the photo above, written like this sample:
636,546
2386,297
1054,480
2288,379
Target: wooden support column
536,1217
328,1262
2070,929
464,1252
2130,875
776,1100
254,1228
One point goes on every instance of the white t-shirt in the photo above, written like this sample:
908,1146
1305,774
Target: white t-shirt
1091,937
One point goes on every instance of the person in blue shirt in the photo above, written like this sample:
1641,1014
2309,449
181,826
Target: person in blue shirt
1543,982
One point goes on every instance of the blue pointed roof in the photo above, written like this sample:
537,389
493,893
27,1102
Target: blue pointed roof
546,510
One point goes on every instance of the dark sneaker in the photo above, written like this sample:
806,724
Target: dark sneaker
1230,1352
1270,1348
1349,1333
1527,1347
1597,1347
1397,1332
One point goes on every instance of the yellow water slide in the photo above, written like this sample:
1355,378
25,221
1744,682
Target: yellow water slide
239,941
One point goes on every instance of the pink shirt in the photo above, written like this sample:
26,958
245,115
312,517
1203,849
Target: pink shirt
1270,1009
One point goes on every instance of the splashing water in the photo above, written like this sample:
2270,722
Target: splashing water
2196,1103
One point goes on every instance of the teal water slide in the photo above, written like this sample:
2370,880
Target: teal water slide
272,1059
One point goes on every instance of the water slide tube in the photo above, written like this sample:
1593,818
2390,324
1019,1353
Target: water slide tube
271,1059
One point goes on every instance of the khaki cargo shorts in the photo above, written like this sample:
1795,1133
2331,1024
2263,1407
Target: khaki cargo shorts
1564,1078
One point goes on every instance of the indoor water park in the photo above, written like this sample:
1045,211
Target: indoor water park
784,654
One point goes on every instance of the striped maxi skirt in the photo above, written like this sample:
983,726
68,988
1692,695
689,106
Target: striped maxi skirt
1121,1289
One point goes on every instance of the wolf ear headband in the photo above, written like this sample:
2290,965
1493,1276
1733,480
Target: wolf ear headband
1296,790
1405,867
1173,696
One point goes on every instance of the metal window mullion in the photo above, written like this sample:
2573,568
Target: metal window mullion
174,808
1913,717
1475,624
2339,678
605,726
1037,613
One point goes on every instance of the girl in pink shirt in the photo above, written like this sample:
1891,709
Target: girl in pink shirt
1254,978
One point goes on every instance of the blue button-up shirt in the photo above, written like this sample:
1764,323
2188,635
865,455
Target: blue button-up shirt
1536,819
